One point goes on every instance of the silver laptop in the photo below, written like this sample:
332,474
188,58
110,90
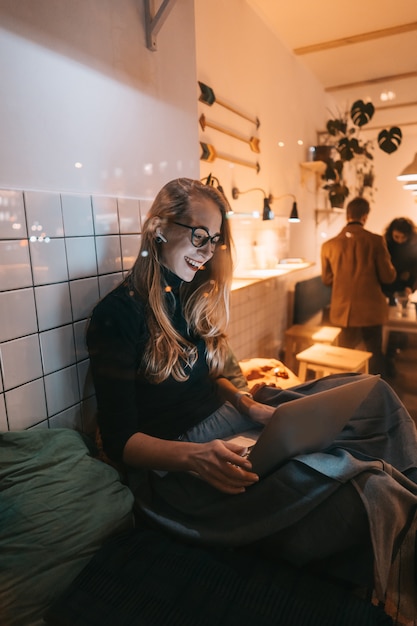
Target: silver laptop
303,425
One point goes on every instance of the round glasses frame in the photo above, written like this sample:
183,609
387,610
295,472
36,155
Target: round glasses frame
200,236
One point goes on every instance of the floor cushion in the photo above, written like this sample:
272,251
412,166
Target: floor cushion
58,504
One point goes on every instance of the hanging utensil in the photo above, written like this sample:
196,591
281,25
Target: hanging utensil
207,96
209,154
253,142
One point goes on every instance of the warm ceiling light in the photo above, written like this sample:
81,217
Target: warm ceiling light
294,210
294,213
387,95
410,172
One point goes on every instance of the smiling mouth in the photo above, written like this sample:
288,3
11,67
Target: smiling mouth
195,265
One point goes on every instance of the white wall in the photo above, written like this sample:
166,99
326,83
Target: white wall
79,85
248,68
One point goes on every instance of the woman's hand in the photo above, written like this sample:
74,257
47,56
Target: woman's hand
257,411
260,412
223,465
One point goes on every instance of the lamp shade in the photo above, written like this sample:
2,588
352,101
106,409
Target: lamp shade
294,213
410,172
267,214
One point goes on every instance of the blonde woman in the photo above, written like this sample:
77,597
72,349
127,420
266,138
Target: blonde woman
158,344
158,351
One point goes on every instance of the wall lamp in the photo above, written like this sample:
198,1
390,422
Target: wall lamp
410,172
213,182
267,213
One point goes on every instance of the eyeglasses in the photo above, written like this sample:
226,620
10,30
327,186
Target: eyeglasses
200,236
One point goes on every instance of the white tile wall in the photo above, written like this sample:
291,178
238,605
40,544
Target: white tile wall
53,305
81,255
84,294
14,264
17,314
77,214
3,418
129,215
12,215
62,390
21,361
59,253
260,314
108,282
43,214
26,405
80,330
106,220
130,249
58,348
48,260
257,330
109,254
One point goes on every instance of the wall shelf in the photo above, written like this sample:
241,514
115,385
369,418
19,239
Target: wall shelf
329,214
313,167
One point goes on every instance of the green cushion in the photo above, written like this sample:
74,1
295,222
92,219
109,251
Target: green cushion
57,506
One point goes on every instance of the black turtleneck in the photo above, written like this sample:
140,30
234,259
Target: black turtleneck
117,336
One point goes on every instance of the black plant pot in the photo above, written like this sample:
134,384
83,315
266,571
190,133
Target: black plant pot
337,200
321,153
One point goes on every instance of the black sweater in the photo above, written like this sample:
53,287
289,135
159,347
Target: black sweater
404,259
126,402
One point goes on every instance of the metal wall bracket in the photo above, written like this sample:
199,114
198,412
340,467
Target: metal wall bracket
155,21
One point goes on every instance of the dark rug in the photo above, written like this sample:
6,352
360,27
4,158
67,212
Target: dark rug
144,578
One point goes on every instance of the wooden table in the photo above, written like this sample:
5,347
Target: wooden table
323,360
301,336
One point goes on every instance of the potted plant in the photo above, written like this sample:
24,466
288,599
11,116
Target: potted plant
335,185
343,134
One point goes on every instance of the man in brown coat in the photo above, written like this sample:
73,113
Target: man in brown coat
355,263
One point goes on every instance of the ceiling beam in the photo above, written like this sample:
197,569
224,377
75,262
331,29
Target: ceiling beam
412,123
365,129
397,105
372,81
347,41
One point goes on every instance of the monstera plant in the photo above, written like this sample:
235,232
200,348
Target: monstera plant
346,145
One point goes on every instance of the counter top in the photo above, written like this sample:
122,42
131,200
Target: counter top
243,278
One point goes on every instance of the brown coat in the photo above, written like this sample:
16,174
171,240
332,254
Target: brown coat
355,263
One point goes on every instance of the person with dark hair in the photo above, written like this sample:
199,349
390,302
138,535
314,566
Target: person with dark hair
401,238
168,400
356,263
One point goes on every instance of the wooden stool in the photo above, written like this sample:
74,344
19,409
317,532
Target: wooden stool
301,336
324,359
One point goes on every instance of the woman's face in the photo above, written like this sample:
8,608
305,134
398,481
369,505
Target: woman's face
399,237
179,254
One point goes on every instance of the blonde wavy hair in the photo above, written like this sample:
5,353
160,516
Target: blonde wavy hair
205,300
